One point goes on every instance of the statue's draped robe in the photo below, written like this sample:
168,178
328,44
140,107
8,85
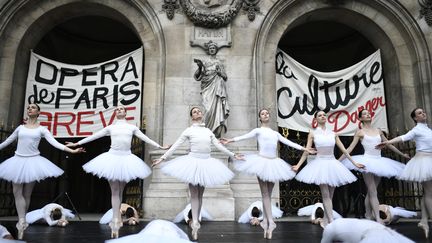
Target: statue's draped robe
214,95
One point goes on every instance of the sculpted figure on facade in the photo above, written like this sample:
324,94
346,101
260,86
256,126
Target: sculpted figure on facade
211,74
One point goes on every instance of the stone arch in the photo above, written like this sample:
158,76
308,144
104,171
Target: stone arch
386,24
22,25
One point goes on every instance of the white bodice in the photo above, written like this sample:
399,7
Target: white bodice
422,135
29,139
369,143
200,140
121,136
324,141
267,141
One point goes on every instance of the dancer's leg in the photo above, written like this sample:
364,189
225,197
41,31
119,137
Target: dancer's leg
20,205
271,223
115,203
424,213
200,199
27,191
20,202
327,202
195,203
370,181
122,185
266,200
426,206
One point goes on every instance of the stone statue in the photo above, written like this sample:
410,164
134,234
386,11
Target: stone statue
211,74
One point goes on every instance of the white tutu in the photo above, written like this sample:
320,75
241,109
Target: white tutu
21,169
325,170
266,169
198,169
383,236
117,165
311,209
419,168
157,231
377,165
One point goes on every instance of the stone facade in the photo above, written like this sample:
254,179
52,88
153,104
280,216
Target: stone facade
249,42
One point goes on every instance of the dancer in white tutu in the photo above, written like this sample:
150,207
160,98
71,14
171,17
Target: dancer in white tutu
268,168
197,168
53,214
186,215
316,213
254,214
375,165
27,166
128,214
350,230
419,168
325,171
4,233
118,165
157,231
390,215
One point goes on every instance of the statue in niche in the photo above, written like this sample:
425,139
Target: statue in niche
211,74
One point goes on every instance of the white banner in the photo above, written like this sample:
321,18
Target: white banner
301,91
78,100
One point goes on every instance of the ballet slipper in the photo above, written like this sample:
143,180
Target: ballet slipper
271,227
115,225
425,227
195,227
21,226
264,225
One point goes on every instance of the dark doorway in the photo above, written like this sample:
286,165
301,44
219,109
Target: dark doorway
82,40
323,46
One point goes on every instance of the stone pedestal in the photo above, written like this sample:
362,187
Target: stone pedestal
165,196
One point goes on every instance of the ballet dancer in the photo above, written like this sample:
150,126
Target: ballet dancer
419,168
27,167
254,214
197,168
391,215
128,214
350,230
325,170
186,215
156,231
316,213
53,214
118,165
376,166
266,165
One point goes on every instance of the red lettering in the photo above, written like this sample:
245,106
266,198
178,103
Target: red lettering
334,119
48,119
129,118
104,124
65,124
80,122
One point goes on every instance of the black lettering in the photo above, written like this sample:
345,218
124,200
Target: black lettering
111,72
131,69
87,73
126,91
49,66
64,72
100,93
83,97
63,94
